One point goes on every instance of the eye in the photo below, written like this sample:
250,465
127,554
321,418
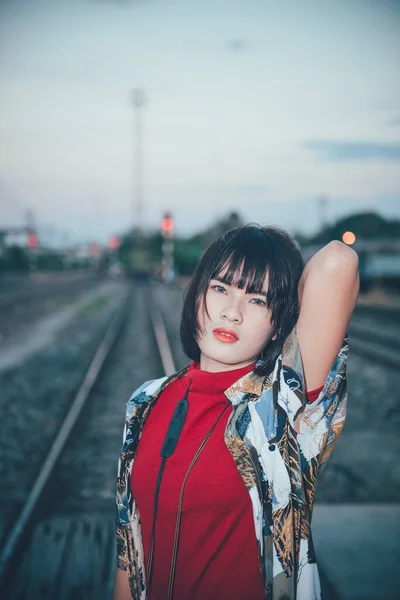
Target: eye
258,301
218,288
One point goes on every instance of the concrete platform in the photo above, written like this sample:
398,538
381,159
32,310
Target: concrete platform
357,546
358,550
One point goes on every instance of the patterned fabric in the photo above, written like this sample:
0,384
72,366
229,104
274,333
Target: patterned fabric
280,443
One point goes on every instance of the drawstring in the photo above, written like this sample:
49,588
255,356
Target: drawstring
168,447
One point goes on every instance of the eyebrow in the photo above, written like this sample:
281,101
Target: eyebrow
222,280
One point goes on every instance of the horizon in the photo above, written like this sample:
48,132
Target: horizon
263,109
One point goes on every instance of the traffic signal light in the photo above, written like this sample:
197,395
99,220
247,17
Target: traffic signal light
33,240
167,226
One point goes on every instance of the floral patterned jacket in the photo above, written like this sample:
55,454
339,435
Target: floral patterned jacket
280,443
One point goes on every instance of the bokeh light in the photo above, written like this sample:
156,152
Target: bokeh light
349,238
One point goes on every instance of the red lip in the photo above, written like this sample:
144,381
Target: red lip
225,335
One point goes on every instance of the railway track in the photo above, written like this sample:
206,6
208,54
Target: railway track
377,343
13,546
62,543
39,556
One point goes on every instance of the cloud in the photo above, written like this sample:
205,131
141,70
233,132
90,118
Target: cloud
354,151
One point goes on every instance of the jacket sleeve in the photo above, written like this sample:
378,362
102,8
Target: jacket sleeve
319,424
123,494
122,549
121,514
329,409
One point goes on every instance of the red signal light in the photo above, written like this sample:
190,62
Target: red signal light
167,224
33,240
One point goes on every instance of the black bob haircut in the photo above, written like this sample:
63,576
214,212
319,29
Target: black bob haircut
247,254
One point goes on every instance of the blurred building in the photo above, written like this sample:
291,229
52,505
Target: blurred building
379,262
22,237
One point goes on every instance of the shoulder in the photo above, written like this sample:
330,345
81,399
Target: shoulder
149,389
144,393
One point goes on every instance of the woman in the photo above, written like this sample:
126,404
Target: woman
218,505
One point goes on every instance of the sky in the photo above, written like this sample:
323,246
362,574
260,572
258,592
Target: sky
262,107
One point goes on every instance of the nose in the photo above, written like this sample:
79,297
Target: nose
232,311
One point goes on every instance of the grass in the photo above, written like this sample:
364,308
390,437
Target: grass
93,305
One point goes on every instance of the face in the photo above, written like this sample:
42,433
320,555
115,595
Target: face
237,329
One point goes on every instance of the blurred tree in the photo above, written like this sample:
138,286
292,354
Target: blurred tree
368,226
15,258
188,251
51,261
139,253
186,255
301,239
231,221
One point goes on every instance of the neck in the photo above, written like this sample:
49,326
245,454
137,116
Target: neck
213,366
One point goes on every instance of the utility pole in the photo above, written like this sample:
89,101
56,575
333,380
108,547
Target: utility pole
322,202
138,101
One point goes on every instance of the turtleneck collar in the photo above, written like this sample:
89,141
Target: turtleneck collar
204,382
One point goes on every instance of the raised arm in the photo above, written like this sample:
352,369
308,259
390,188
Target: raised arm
328,292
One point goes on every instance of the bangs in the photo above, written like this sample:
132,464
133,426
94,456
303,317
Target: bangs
246,262
243,273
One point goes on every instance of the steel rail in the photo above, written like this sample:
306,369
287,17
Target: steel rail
379,334
372,351
92,374
376,345
390,311
160,333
